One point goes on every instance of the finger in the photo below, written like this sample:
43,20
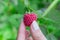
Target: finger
36,32
30,38
21,32
27,34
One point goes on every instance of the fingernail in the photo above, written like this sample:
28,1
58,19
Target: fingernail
35,25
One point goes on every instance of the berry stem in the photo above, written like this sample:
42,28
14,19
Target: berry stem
50,7
29,11
34,11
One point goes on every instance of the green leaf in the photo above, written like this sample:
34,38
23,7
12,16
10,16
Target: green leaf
7,34
44,30
51,37
55,15
33,4
15,2
1,37
12,8
21,6
3,18
3,26
26,2
3,6
51,28
15,20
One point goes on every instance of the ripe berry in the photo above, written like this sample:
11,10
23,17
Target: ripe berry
29,18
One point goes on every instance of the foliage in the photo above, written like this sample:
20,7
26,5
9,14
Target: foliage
12,11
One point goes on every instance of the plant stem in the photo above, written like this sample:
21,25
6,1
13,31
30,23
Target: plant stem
35,11
50,7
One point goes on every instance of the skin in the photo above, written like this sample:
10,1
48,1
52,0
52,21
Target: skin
36,33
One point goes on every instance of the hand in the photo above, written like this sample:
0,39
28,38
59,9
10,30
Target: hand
34,31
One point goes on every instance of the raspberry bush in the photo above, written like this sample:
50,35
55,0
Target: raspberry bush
12,11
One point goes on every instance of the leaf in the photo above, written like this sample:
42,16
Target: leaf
21,6
3,6
26,2
15,2
44,30
51,37
57,33
3,18
3,26
33,4
15,20
55,15
7,34
1,37
12,8
45,21
51,28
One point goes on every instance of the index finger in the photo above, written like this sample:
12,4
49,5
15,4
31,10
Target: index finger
21,32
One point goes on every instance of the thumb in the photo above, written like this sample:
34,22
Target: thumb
36,32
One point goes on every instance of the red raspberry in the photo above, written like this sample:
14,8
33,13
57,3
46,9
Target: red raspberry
29,18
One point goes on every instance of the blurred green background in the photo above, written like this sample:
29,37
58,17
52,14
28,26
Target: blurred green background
12,11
